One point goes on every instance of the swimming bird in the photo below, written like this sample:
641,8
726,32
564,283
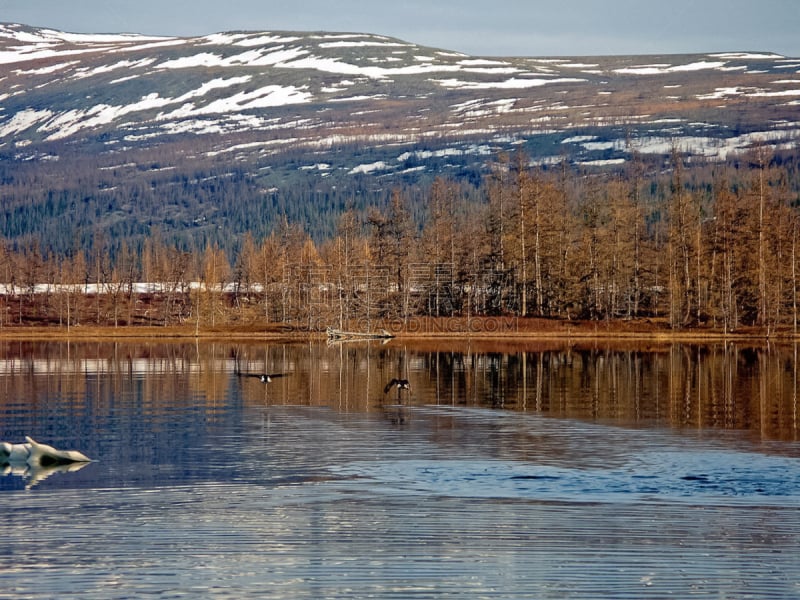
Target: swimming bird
263,377
402,384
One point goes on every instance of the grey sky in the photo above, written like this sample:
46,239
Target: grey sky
481,27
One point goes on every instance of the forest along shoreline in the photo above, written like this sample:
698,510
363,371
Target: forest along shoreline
510,328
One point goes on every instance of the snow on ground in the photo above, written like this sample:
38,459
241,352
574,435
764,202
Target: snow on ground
122,64
482,107
513,83
362,43
204,59
369,168
52,36
662,68
482,62
333,65
28,54
48,43
579,139
102,38
720,93
252,145
764,94
601,146
150,46
444,152
253,58
23,120
47,70
266,40
746,56
571,65
269,95
223,114
69,122
751,92
602,163
358,98
707,146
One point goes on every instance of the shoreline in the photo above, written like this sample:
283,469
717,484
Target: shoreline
441,329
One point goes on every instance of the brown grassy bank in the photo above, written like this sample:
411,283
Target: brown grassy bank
509,329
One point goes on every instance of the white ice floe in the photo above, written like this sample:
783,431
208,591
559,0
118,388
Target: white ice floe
35,454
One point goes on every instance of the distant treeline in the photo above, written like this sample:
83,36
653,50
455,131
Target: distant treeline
694,244
79,202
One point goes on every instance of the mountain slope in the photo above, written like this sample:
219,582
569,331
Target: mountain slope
169,131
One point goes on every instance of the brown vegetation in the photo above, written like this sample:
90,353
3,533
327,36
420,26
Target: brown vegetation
552,252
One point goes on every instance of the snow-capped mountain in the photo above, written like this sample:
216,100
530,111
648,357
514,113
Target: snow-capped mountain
285,108
319,90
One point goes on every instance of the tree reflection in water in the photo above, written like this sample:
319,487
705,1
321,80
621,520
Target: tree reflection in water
722,386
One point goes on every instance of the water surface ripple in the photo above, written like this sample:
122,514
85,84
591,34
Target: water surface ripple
243,499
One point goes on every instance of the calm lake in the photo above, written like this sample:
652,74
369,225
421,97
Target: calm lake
506,471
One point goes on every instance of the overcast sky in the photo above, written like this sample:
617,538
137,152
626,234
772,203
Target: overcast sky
480,27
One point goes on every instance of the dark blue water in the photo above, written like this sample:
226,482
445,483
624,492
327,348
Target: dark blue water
209,485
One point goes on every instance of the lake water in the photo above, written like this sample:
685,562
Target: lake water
507,471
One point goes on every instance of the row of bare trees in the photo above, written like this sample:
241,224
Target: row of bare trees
695,246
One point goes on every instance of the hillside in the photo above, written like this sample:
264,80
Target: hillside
207,137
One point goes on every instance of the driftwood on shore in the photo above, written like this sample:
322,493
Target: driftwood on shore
338,334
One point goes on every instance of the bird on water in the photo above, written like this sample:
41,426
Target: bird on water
402,384
263,377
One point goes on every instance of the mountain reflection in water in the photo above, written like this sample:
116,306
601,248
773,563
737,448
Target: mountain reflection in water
721,387
522,470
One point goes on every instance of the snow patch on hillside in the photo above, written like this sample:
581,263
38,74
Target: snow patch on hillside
23,120
662,68
253,58
67,123
369,168
512,83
